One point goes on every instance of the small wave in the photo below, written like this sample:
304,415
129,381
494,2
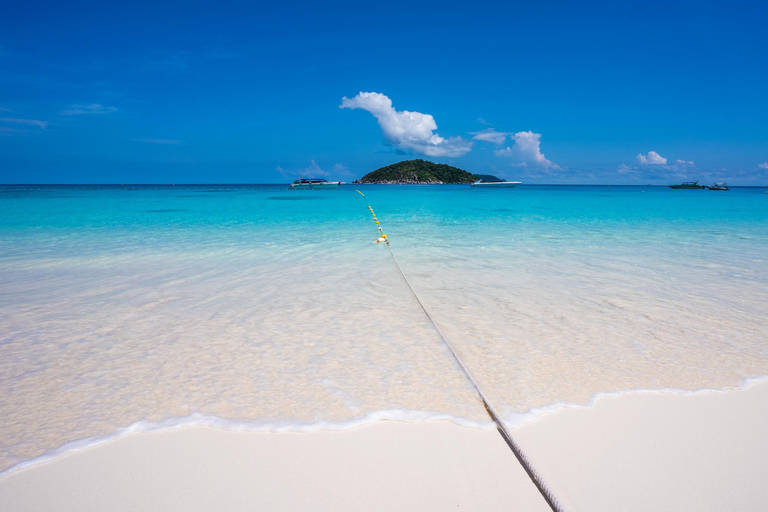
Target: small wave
515,420
201,420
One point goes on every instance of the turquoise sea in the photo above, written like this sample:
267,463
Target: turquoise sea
255,307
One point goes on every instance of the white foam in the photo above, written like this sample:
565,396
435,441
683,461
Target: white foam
201,420
515,420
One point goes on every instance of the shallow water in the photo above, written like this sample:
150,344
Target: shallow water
261,308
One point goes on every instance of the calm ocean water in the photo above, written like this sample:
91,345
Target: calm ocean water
256,307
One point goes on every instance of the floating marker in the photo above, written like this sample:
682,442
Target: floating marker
382,238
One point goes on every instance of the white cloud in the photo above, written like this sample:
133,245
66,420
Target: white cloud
28,122
764,165
284,173
527,151
94,108
311,171
490,135
652,158
314,170
3,109
405,129
654,166
159,141
340,170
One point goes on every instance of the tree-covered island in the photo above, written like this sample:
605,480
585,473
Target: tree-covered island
419,172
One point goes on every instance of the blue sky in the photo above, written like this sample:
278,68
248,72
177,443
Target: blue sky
546,93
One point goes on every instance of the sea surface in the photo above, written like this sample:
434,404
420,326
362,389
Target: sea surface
255,307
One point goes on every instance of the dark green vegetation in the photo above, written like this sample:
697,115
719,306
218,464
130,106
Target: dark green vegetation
419,171
688,185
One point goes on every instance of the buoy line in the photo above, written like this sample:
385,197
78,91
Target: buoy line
546,493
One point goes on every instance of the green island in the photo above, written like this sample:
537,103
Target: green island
420,172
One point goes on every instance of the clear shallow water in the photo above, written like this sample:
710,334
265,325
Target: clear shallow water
261,308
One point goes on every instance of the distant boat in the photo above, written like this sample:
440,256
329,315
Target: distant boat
496,184
313,184
688,185
719,186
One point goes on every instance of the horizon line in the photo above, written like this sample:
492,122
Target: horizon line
344,184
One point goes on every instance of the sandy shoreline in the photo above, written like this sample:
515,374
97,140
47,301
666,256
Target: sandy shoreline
657,451
384,466
697,452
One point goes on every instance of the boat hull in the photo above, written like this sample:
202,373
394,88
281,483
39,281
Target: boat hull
313,186
687,187
500,184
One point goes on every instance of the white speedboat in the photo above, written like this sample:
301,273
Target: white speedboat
313,184
495,184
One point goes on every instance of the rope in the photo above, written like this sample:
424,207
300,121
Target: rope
546,493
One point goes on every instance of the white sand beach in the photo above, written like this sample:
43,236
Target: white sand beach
385,466
649,451
657,451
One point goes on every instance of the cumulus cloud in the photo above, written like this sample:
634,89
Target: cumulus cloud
526,152
407,130
490,135
652,158
763,165
311,171
27,122
340,170
654,166
93,108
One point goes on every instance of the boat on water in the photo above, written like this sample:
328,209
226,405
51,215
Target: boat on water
495,184
688,185
313,184
719,186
